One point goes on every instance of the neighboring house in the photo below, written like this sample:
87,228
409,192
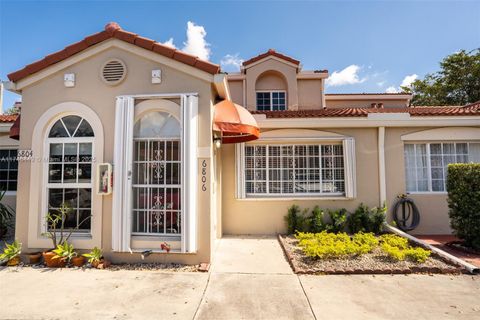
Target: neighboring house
8,159
159,116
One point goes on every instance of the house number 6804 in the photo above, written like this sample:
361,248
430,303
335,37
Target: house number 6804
204,175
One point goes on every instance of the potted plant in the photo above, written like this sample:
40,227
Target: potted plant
55,222
11,254
6,215
63,253
94,257
34,257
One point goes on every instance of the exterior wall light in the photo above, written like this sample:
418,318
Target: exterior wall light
69,80
156,76
218,142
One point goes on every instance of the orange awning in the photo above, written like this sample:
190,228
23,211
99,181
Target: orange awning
235,123
15,129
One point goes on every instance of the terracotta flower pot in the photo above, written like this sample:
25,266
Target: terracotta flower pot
48,257
96,263
34,257
14,261
78,261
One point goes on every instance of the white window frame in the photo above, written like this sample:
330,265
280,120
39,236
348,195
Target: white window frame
36,200
11,192
271,99
122,238
348,164
429,164
70,185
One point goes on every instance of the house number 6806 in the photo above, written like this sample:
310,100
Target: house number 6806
204,175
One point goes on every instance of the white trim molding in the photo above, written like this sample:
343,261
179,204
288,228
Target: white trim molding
364,122
38,179
444,134
126,114
381,165
300,136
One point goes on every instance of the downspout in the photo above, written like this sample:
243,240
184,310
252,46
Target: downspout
381,165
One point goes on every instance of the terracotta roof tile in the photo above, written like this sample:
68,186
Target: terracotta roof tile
144,42
270,52
7,118
113,30
125,35
365,94
163,50
184,57
473,110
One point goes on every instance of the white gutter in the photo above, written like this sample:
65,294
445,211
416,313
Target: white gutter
470,267
381,165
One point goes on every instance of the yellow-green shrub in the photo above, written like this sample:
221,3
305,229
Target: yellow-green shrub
419,255
397,248
394,241
325,245
393,252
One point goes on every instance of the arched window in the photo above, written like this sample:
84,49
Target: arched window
156,175
70,149
271,91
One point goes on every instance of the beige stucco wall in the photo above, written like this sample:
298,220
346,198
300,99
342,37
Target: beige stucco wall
248,216
432,206
287,71
309,94
236,91
93,92
364,103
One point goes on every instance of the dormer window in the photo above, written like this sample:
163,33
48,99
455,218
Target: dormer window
271,100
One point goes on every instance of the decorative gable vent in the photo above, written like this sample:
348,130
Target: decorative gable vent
113,72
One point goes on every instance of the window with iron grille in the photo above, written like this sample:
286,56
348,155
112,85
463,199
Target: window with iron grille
271,100
8,170
426,163
157,165
294,169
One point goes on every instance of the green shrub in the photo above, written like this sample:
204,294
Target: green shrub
376,219
357,221
338,220
291,219
316,223
366,220
463,186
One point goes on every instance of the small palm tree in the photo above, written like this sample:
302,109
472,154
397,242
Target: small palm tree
6,215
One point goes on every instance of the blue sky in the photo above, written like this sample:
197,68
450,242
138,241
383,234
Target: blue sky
371,45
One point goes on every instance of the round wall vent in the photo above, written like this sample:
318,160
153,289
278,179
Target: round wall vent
113,71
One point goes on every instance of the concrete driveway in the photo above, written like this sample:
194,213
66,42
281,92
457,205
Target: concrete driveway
250,279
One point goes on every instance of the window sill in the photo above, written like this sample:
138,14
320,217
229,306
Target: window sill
439,193
341,198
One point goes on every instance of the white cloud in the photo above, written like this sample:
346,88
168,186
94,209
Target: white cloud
170,43
196,43
231,62
407,81
349,75
391,89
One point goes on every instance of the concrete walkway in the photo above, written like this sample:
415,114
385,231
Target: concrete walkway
250,279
